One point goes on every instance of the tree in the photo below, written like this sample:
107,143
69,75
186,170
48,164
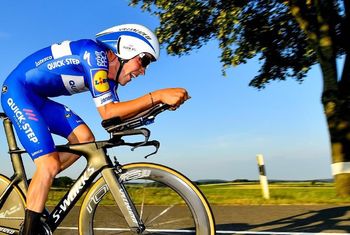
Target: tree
288,37
62,182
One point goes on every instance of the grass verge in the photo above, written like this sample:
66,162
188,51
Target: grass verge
289,193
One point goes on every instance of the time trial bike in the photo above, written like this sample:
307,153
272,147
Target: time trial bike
135,198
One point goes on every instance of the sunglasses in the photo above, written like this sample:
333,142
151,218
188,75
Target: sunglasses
145,60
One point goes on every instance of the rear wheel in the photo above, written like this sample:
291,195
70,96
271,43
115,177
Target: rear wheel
13,210
167,202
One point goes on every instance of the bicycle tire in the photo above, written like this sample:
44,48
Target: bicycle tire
190,215
13,211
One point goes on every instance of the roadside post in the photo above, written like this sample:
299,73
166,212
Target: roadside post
262,176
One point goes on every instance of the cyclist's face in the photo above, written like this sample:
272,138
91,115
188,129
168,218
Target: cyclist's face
132,69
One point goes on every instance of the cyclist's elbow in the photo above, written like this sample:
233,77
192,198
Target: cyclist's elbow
110,110
105,112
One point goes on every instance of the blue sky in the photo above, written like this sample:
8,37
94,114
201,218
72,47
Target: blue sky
217,133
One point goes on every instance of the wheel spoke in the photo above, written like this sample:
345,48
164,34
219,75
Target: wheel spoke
161,214
143,202
171,221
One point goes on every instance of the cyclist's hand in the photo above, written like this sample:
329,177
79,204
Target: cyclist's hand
172,96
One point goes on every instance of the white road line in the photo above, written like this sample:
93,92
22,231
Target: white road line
217,232
276,233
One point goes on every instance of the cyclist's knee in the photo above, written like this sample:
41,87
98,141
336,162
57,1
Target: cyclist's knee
81,134
82,138
48,165
87,137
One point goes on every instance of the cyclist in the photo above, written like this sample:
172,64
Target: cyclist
118,55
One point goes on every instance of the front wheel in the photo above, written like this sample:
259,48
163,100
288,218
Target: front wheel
167,202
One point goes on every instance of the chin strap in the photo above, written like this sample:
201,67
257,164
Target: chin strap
121,65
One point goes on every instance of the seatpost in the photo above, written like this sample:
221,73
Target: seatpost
17,163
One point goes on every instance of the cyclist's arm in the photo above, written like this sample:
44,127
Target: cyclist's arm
125,109
171,96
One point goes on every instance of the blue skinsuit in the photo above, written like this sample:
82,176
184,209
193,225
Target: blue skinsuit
61,69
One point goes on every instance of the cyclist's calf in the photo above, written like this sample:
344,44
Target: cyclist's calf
47,167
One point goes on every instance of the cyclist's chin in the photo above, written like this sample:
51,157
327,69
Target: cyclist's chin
125,80
124,83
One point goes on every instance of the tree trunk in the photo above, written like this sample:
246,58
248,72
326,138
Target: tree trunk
338,114
336,105
334,97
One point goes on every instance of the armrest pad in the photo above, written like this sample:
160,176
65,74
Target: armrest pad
111,122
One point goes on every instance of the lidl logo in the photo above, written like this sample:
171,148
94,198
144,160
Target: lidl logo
101,81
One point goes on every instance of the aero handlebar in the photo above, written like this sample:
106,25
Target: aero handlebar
144,118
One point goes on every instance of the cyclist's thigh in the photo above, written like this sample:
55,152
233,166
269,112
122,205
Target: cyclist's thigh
60,119
23,109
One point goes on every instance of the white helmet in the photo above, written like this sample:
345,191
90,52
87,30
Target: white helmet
129,40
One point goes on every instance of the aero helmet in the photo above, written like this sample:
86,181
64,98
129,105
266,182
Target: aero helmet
129,40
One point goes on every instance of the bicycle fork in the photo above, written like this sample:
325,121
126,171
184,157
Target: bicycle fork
123,200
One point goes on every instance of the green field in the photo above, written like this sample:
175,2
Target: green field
238,194
280,193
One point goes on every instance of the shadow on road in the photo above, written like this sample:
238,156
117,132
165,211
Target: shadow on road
312,221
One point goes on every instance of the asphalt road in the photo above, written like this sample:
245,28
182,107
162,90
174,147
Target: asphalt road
306,219
274,218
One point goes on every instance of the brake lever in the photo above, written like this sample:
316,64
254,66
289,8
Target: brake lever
154,143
